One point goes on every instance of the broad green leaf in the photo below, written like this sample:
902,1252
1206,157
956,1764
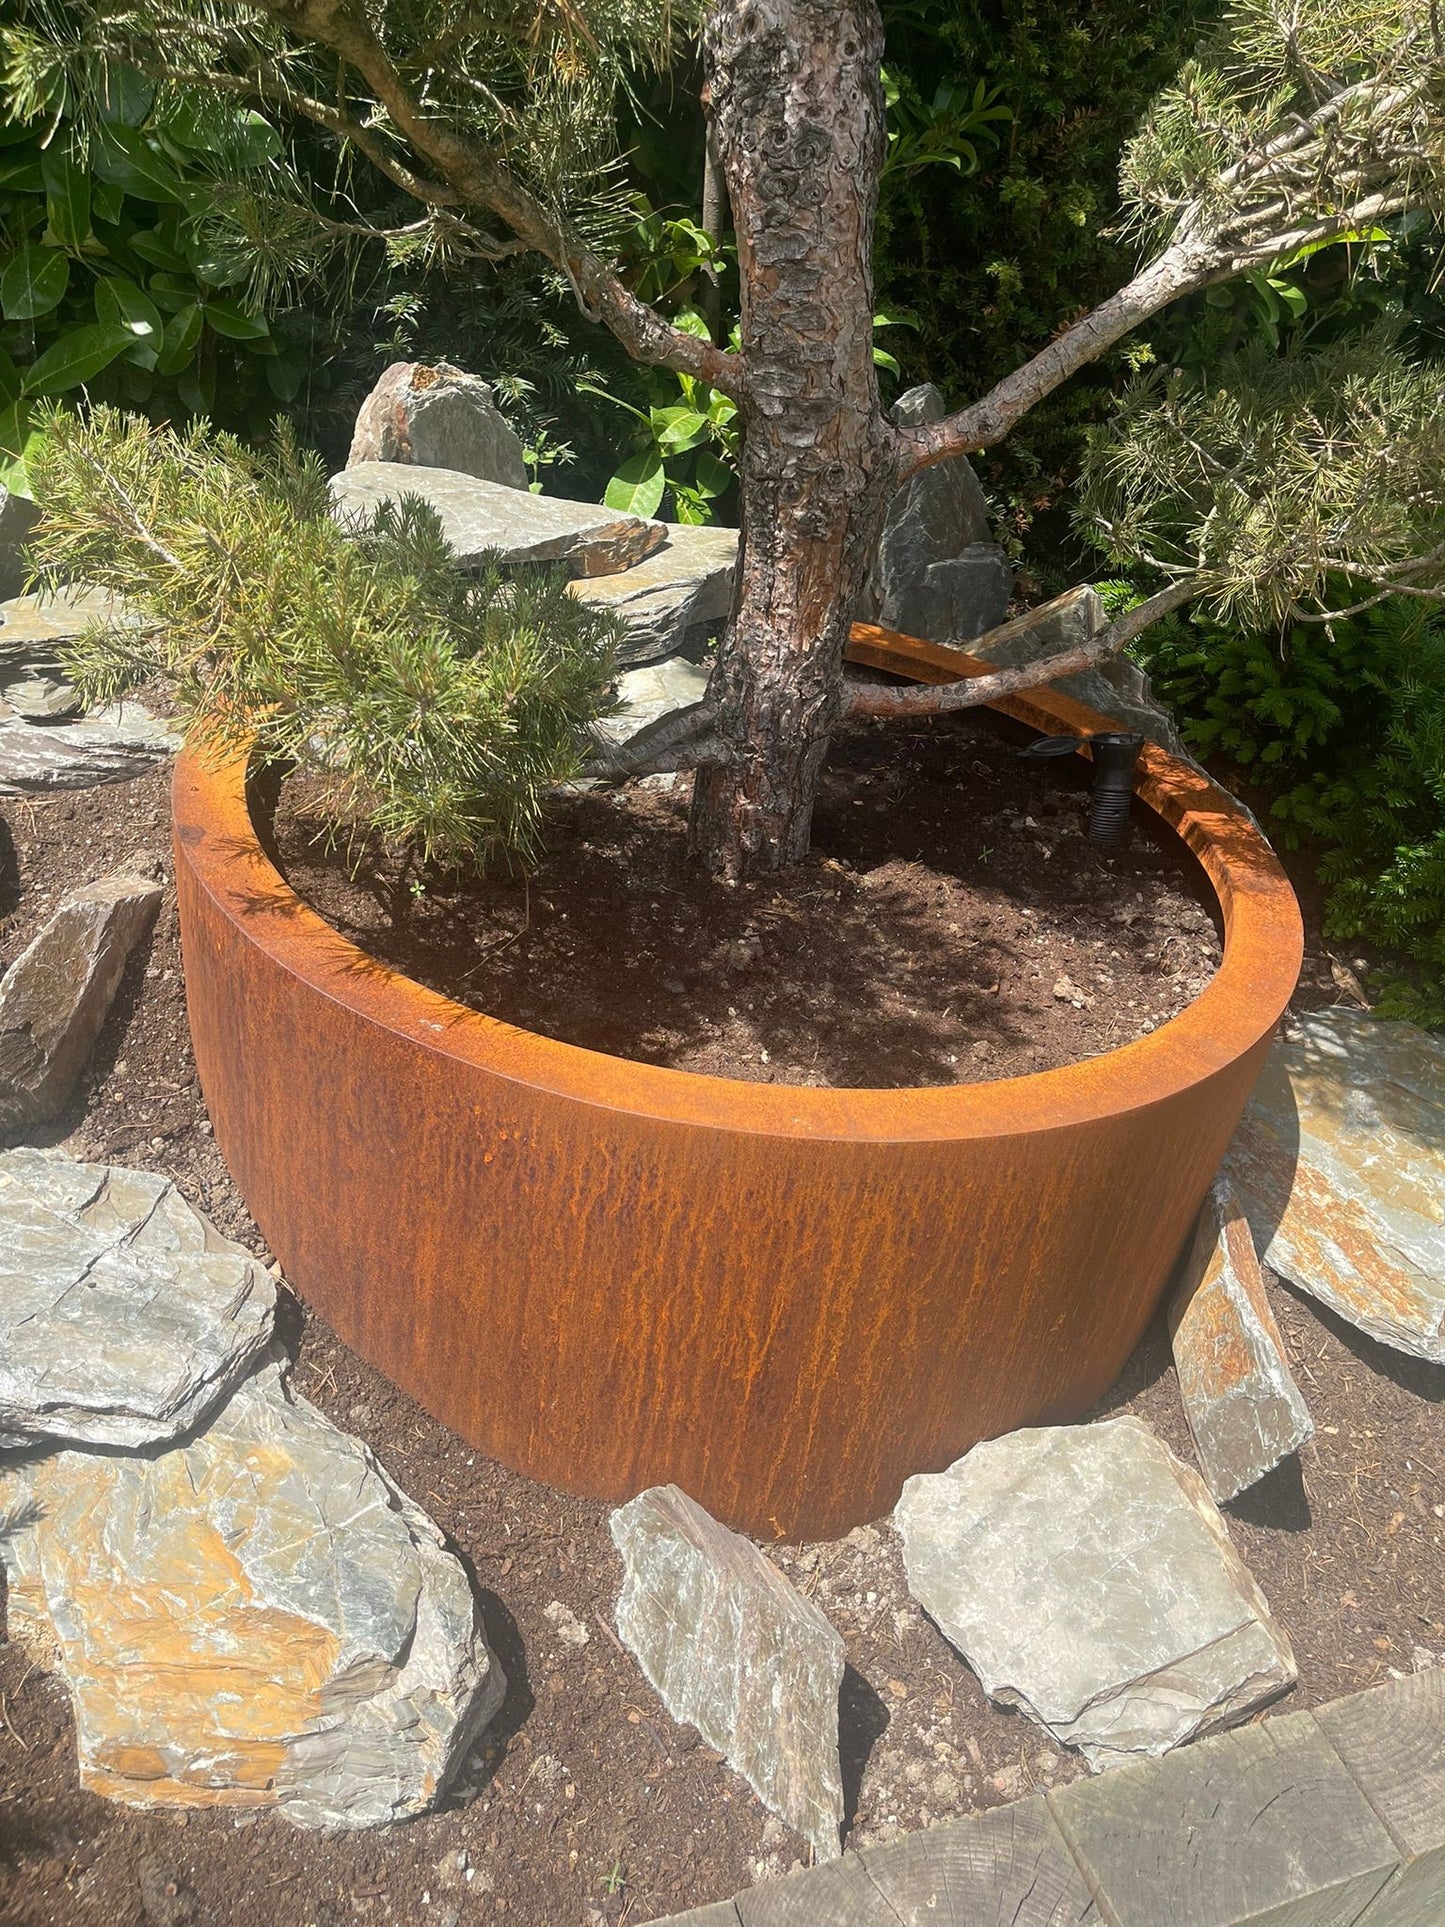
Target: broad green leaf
126,158
196,389
678,429
33,282
17,440
107,201
67,196
638,485
690,322
240,135
284,376
75,357
227,319
712,477
219,267
125,97
882,359
121,301
22,174
183,332
158,252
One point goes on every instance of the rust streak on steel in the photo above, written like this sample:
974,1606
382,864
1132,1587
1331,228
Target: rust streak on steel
609,1275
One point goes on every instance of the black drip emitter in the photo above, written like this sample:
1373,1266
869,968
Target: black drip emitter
1115,753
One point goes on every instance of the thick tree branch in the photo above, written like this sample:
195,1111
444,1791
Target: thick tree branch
685,739
479,179
979,685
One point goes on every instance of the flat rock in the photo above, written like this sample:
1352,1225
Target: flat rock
437,416
1244,1409
1088,1578
109,745
680,594
40,698
1340,1164
646,695
256,1618
735,1650
486,518
56,996
34,628
125,1316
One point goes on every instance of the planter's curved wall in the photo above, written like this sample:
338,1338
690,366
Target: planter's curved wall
609,1275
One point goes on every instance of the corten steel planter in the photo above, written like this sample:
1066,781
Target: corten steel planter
608,1275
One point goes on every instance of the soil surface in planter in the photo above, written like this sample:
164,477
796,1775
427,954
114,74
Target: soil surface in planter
953,923
584,1805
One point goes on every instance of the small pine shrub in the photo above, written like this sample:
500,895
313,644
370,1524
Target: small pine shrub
1344,724
437,708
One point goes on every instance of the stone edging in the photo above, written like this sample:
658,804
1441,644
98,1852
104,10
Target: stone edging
1330,1818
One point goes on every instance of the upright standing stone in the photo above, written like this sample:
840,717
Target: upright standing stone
1244,1409
56,996
18,516
125,1316
731,1647
1088,1578
259,1617
437,416
1340,1164
485,519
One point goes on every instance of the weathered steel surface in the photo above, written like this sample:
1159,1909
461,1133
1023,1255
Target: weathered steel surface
610,1275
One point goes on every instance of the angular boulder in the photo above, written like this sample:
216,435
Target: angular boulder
437,416
1244,1409
56,996
18,516
257,1618
645,696
938,575
1088,1578
481,519
680,594
1339,1161
734,1649
125,1316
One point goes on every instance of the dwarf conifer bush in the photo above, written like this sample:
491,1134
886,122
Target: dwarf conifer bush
437,708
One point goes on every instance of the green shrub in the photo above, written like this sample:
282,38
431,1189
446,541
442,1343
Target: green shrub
1344,725
120,274
438,709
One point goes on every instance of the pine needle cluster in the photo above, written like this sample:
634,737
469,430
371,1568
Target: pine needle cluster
1292,488
437,708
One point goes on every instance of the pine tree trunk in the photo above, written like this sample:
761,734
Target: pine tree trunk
794,89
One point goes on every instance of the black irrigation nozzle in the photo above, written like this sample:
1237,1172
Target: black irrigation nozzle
1115,753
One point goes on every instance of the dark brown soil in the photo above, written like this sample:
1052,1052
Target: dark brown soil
586,1804
953,924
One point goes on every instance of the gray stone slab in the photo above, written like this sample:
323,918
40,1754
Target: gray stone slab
109,745
722,1913
125,1316
1263,1826
1392,1739
481,518
18,516
56,996
258,1617
437,416
1244,1409
679,593
1087,1577
733,1648
1010,1867
1339,1161
645,696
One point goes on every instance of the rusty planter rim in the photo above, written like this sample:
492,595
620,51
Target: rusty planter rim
1263,949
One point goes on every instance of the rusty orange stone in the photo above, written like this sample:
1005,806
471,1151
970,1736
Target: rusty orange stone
610,1275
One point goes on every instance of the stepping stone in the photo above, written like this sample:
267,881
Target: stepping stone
256,1618
1244,1409
1088,1578
125,1316
437,416
1339,1162
733,1649
482,519
56,996
679,594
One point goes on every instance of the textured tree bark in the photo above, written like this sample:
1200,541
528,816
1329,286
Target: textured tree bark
798,108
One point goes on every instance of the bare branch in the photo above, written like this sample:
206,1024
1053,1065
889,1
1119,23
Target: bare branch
979,684
479,179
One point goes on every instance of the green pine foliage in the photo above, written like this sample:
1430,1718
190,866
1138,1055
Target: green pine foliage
437,708
1344,726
